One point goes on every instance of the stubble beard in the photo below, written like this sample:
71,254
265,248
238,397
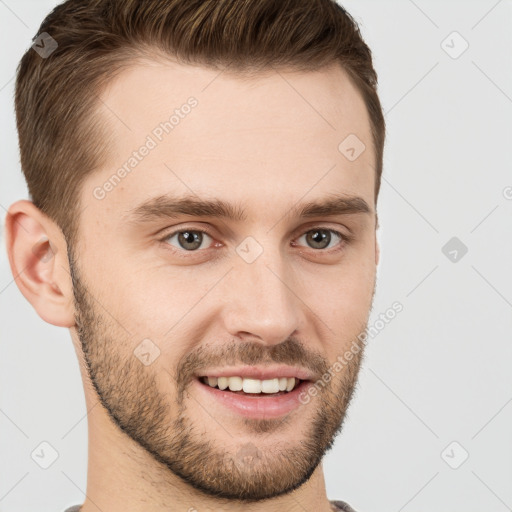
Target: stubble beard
249,471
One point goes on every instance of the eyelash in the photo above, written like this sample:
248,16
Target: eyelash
345,239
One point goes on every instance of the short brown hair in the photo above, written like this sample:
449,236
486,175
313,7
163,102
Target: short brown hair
62,141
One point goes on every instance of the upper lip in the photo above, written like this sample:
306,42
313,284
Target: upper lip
258,372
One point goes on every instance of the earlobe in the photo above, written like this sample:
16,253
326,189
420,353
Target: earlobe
38,259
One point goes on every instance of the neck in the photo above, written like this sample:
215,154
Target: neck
124,477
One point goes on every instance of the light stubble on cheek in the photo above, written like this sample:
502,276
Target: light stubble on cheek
184,438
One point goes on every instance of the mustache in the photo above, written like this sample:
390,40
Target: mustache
291,352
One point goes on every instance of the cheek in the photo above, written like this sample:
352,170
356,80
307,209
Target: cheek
144,296
344,300
161,311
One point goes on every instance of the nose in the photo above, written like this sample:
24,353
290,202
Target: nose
260,300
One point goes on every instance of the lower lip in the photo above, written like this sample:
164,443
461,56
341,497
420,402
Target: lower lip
258,407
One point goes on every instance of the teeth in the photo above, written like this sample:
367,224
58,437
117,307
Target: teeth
222,382
291,384
270,386
252,385
235,383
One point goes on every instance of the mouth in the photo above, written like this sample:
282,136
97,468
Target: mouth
253,387
253,398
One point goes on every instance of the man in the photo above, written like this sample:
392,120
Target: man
203,177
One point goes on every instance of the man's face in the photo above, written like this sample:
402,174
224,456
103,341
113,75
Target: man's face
160,304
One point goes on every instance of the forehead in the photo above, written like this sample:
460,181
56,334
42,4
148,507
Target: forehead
192,130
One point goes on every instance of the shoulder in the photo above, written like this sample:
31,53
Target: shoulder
342,506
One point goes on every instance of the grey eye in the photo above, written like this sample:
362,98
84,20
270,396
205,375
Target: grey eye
320,238
189,240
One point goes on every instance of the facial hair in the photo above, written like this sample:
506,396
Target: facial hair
244,471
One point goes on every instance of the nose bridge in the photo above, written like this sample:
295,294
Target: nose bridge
260,297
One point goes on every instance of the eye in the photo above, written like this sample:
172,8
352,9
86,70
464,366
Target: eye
188,239
194,240
321,238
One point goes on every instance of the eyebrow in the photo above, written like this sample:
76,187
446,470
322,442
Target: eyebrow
171,207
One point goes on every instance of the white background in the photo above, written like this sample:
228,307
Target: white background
439,372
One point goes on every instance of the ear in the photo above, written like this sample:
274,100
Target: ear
377,247
37,253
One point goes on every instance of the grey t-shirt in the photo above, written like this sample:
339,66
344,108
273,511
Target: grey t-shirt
341,505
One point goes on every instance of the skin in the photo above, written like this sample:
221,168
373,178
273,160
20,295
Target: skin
155,443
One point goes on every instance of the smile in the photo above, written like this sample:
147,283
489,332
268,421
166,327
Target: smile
253,398
252,386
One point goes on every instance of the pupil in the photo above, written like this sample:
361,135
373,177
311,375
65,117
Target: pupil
319,237
190,237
